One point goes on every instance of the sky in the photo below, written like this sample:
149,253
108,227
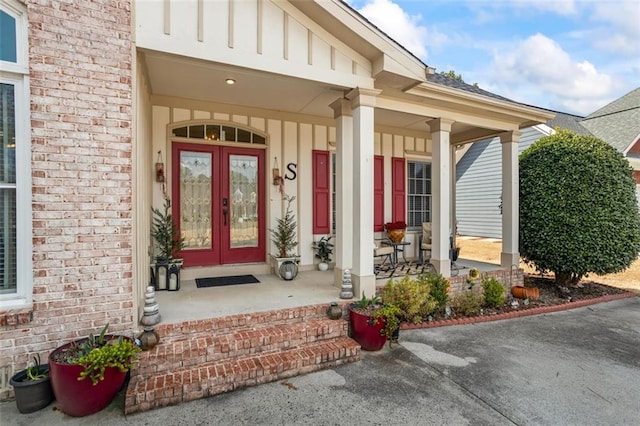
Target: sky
571,56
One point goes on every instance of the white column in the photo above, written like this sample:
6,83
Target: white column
344,188
363,103
510,199
441,194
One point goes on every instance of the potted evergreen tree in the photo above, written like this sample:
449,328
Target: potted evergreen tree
167,245
284,237
32,387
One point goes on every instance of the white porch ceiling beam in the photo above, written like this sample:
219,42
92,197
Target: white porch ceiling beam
428,111
473,135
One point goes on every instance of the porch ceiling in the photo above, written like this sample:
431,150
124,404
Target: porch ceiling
189,78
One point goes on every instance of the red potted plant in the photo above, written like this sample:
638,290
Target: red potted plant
372,322
395,230
88,373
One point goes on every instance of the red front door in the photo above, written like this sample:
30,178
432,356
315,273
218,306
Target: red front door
219,203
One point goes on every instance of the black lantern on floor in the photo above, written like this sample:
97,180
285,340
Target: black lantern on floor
173,279
162,276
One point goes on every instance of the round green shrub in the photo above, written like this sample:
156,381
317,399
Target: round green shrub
468,303
411,296
578,208
492,292
439,290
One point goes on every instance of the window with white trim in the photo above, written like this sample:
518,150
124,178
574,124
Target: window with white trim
16,276
418,193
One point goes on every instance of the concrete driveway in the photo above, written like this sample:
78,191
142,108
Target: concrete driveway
577,367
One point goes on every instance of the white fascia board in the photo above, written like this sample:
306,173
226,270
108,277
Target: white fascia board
444,93
545,129
632,144
406,63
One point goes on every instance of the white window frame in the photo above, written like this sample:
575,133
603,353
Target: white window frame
17,74
409,194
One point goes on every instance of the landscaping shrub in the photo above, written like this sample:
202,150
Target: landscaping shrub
439,290
411,296
467,303
492,292
578,208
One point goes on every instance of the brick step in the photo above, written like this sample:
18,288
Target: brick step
148,391
224,325
202,348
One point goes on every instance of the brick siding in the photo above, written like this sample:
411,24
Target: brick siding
80,62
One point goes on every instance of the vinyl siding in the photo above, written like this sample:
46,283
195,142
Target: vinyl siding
479,186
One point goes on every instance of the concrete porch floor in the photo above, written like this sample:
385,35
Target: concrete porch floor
308,288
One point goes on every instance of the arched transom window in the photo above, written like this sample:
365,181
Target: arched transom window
219,132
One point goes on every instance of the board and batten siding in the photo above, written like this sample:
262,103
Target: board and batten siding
479,184
291,138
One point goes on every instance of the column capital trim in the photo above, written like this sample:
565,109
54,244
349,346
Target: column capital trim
363,97
341,107
440,124
508,137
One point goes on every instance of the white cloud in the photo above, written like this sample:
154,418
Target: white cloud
621,27
404,28
560,7
540,65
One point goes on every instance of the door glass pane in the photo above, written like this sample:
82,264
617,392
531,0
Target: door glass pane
195,199
243,187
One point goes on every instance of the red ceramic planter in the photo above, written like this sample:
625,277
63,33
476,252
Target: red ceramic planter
368,335
80,398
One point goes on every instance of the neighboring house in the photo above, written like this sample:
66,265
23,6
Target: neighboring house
479,178
618,124
479,171
221,93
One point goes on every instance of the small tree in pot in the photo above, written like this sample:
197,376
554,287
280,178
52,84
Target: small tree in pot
284,238
167,245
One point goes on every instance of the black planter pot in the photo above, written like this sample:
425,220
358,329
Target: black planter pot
32,395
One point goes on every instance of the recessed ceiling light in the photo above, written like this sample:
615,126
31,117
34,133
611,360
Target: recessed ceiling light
230,81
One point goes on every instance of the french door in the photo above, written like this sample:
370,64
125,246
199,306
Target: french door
219,203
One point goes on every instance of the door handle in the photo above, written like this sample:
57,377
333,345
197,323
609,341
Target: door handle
225,203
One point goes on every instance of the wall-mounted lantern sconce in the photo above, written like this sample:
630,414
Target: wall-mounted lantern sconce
277,179
159,168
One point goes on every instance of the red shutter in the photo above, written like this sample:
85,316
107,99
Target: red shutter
321,192
378,193
398,192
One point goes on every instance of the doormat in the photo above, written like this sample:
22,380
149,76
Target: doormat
231,280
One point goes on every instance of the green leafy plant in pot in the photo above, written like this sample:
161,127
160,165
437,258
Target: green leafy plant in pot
32,387
372,322
168,243
324,250
86,374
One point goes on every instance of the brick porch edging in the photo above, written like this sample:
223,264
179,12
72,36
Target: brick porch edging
520,313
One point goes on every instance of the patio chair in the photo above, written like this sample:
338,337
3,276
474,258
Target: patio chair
383,254
424,241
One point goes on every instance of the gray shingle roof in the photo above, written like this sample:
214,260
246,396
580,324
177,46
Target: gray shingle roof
568,122
617,123
457,84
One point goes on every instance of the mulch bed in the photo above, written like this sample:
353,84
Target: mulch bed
550,300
